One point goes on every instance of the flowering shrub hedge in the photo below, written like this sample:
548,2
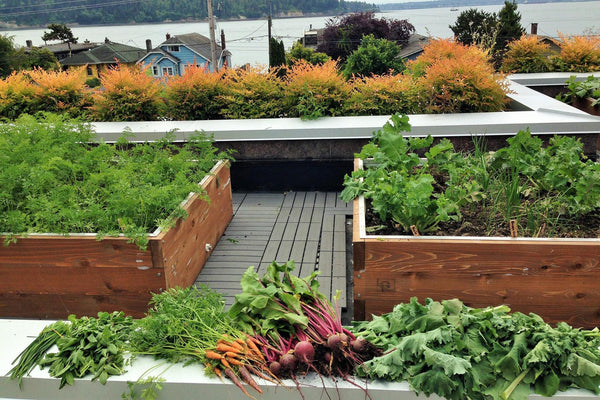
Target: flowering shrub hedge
575,54
449,77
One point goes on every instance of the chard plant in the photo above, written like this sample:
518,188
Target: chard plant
547,189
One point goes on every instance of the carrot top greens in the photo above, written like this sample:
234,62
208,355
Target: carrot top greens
57,178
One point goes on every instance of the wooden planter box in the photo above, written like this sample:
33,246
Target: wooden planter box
586,105
559,279
52,276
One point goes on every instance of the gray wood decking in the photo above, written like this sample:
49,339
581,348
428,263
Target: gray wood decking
306,227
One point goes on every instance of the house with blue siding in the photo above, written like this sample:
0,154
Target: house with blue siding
178,52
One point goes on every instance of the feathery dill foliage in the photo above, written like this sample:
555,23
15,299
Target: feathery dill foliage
53,179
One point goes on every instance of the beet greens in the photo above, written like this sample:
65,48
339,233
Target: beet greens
298,328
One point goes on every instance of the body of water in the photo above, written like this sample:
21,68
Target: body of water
247,39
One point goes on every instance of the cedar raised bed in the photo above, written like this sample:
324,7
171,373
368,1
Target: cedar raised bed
557,279
52,276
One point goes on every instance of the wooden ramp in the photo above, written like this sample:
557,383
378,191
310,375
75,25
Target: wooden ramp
306,227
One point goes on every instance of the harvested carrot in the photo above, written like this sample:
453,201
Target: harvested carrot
225,362
224,348
231,375
213,355
256,372
234,361
233,354
246,377
254,348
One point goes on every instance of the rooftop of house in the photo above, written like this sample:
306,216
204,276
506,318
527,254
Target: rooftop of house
196,42
107,53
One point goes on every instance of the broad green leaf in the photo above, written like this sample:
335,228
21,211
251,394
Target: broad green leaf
436,382
579,366
451,364
548,384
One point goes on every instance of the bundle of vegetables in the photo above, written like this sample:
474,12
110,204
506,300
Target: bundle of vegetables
297,328
190,325
459,352
86,346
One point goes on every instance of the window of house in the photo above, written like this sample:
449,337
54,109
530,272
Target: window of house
173,48
155,70
167,71
89,70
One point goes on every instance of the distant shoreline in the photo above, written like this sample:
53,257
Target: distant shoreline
415,5
7,27
383,8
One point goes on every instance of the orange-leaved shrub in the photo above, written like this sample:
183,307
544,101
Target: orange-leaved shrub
253,93
527,54
382,95
452,77
438,50
196,95
578,54
61,91
128,94
313,91
17,96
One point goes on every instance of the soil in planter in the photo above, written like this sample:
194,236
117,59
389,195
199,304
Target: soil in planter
476,221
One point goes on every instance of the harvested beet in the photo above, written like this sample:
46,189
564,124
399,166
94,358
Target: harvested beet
275,368
305,352
337,341
288,362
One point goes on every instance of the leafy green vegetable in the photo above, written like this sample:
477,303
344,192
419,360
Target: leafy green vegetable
459,352
90,346
271,303
545,188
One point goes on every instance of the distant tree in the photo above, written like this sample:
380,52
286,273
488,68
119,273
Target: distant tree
36,58
374,57
510,27
7,54
59,32
300,52
343,35
276,53
475,26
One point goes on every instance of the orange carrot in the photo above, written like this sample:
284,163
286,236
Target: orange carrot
225,362
233,354
233,361
254,348
224,348
213,355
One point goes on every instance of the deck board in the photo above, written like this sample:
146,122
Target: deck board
306,227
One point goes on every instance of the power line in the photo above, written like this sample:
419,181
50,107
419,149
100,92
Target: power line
47,10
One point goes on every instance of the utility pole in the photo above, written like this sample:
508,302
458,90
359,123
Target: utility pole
213,43
269,25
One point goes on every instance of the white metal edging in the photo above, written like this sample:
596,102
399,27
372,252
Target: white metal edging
546,116
189,382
